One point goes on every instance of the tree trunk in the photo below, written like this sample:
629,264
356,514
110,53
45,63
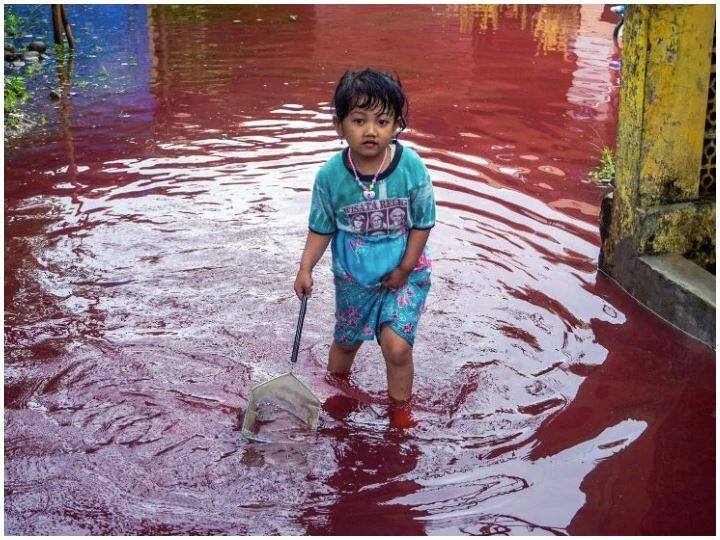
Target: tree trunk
57,23
66,24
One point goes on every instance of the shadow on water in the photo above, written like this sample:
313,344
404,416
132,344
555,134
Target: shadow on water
152,233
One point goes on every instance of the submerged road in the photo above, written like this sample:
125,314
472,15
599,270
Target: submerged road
152,233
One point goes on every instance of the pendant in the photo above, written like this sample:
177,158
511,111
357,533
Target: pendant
369,195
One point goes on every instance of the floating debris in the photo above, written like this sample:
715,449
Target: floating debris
266,411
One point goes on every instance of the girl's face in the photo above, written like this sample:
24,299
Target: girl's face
368,132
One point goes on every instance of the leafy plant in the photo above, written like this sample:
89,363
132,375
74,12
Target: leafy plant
12,23
61,55
606,170
15,92
32,70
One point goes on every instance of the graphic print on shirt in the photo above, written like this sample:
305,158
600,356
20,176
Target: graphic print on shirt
378,217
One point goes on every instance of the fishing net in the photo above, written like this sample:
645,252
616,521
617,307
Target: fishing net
283,408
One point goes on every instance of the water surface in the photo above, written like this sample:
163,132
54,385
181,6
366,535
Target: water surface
152,234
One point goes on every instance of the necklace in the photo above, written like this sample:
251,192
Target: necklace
368,192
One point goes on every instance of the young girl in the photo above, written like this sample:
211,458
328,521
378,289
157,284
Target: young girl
374,200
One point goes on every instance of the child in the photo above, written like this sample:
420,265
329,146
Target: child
374,201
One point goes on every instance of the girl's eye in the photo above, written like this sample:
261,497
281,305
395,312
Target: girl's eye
383,123
358,121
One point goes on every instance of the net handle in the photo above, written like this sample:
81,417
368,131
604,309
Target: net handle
298,332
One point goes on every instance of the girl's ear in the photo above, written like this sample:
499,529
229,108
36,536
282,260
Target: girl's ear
338,125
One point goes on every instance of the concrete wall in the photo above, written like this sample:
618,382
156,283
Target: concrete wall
657,207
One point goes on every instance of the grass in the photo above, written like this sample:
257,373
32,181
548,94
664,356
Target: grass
606,169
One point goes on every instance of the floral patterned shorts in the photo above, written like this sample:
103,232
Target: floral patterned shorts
360,312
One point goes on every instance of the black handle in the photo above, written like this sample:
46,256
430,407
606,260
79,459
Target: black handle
298,332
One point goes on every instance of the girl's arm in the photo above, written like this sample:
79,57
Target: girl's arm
415,244
315,246
422,210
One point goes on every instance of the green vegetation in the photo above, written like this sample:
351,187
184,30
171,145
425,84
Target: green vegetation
32,70
15,95
606,170
12,23
15,92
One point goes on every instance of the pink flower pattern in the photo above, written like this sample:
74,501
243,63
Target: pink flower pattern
402,297
359,308
348,318
356,243
424,263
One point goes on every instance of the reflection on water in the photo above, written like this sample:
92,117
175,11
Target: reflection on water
152,236
373,468
553,27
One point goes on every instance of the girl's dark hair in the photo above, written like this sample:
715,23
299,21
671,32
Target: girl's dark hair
368,89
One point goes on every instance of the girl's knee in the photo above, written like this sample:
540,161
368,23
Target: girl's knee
396,350
399,358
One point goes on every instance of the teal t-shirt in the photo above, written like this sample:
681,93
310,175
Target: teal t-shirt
370,237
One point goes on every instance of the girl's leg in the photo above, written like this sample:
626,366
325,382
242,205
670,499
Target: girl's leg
399,361
341,358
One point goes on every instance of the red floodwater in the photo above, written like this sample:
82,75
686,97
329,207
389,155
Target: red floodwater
152,235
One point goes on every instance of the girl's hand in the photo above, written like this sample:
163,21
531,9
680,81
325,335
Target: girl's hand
396,279
303,283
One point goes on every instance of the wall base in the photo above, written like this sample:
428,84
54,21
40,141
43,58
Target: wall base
675,288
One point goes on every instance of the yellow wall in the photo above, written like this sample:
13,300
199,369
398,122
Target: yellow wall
661,123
